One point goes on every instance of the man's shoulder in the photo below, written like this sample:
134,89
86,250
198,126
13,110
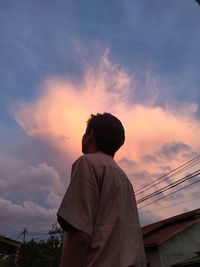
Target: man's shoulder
99,161
94,158
82,160
88,158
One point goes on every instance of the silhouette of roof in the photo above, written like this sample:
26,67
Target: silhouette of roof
8,245
159,232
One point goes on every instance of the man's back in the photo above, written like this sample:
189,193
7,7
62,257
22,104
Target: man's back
103,206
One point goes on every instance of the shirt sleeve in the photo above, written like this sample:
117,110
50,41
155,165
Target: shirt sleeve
80,203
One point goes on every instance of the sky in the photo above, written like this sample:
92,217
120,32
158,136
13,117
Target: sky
61,61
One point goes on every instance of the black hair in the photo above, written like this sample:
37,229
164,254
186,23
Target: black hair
108,132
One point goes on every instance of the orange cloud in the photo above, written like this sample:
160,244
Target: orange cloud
60,113
59,116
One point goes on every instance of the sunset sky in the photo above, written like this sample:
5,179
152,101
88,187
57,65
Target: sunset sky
60,61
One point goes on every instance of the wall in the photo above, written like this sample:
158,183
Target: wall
180,247
153,257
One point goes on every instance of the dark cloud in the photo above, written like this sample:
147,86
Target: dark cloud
175,196
33,183
173,149
33,178
145,177
16,217
36,151
126,162
140,178
149,159
195,192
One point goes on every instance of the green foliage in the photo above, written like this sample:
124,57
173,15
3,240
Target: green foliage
7,262
45,253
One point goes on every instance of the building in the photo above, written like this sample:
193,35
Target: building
173,240
192,262
8,246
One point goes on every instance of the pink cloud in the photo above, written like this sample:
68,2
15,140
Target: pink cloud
59,115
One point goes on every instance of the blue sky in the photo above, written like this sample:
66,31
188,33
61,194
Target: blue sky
155,44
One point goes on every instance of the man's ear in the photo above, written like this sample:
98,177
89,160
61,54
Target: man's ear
91,137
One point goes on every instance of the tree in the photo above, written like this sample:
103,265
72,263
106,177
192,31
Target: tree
45,253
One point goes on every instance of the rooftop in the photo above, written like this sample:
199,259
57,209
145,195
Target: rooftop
7,245
157,233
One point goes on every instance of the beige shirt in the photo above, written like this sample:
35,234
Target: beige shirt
100,202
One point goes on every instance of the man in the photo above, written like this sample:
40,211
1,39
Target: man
99,211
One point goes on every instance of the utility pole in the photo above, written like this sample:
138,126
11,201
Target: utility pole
24,234
198,1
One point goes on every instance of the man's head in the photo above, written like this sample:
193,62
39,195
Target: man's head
105,133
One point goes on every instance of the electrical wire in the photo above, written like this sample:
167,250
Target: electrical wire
169,194
30,233
172,175
42,237
181,168
170,186
187,165
15,236
21,234
18,235
173,205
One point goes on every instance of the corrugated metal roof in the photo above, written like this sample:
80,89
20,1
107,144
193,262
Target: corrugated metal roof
10,241
7,245
157,233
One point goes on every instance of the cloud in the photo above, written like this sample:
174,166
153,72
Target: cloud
171,150
59,116
39,183
149,217
126,163
29,215
30,195
157,138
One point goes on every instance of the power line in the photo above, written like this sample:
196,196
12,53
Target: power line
16,236
192,164
176,171
173,172
173,205
43,237
25,233
170,186
167,187
30,233
33,232
169,194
